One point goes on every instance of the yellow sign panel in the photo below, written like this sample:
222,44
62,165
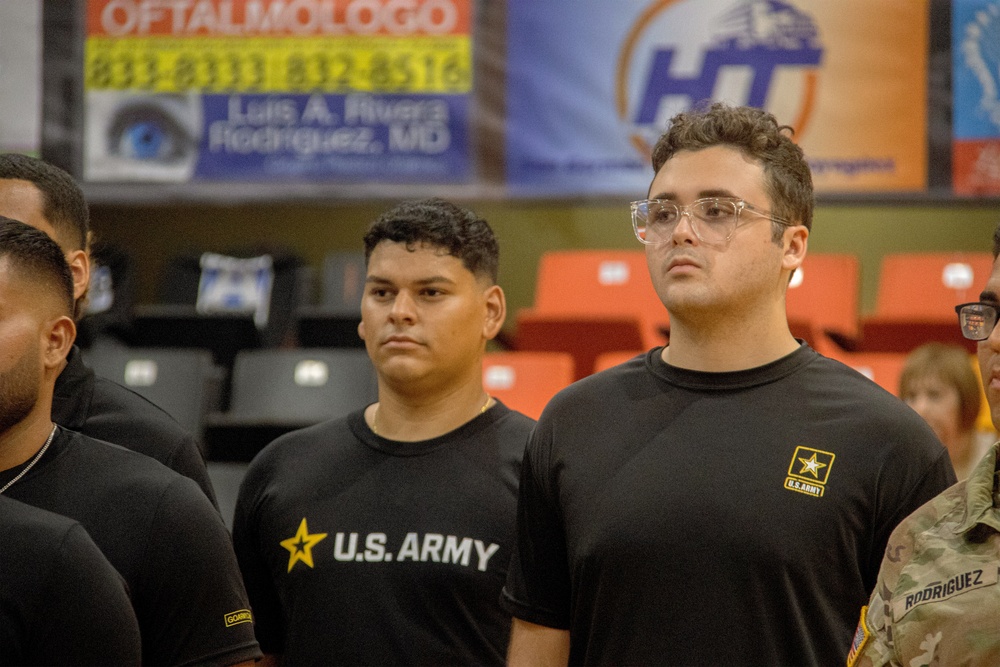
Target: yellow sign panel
421,64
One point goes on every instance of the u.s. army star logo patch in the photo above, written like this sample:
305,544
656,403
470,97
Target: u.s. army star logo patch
301,544
809,471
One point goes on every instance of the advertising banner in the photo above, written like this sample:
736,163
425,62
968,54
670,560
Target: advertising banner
592,84
975,49
271,90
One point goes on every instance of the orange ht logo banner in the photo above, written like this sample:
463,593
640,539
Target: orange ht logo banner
591,85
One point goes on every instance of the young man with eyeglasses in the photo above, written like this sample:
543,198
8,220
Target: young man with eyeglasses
725,499
937,601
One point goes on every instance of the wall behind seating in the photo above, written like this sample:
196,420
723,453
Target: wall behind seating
526,229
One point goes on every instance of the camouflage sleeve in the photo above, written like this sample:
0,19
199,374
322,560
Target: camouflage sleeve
873,643
871,646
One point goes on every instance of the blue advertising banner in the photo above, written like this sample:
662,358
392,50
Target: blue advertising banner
273,90
369,137
564,135
976,96
592,84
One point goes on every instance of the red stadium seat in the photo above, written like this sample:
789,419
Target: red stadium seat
917,295
525,381
822,299
883,368
592,301
607,360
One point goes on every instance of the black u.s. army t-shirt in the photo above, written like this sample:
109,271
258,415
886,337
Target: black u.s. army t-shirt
360,550
676,517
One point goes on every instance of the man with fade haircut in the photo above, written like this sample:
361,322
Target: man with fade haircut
153,525
61,601
383,538
724,499
937,601
47,198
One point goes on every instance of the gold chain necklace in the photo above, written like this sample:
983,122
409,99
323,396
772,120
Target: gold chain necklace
375,417
39,455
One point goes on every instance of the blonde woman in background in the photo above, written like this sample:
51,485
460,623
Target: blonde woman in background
939,383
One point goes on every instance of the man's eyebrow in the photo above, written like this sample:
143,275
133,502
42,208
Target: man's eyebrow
430,280
704,194
989,296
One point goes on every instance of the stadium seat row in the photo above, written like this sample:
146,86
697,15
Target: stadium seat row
591,302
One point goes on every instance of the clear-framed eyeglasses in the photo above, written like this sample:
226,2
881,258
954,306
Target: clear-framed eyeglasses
977,319
713,219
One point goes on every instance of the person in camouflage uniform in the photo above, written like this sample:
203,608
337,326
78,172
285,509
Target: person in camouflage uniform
937,600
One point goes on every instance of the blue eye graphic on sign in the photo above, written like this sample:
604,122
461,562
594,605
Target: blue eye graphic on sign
678,55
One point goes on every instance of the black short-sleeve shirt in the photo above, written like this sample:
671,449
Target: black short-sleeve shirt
668,516
163,536
361,550
61,601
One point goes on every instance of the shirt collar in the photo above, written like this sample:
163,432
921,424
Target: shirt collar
981,494
73,392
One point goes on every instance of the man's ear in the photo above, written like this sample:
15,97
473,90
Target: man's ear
796,242
361,329
79,266
496,311
59,340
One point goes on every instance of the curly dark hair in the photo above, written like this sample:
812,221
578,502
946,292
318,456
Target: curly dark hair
442,224
757,134
34,255
63,204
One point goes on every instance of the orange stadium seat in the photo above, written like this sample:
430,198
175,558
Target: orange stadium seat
592,301
917,295
607,360
883,368
822,300
525,381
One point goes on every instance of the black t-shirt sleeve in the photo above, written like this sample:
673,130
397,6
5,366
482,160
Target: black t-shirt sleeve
538,582
86,615
199,610
902,494
268,619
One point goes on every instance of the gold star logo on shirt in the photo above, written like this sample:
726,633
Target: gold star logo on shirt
300,546
809,471
811,466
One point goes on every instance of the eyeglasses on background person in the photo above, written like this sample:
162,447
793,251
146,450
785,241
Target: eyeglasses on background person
713,219
977,319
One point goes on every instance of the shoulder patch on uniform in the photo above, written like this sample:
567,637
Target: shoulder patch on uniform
861,637
237,617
